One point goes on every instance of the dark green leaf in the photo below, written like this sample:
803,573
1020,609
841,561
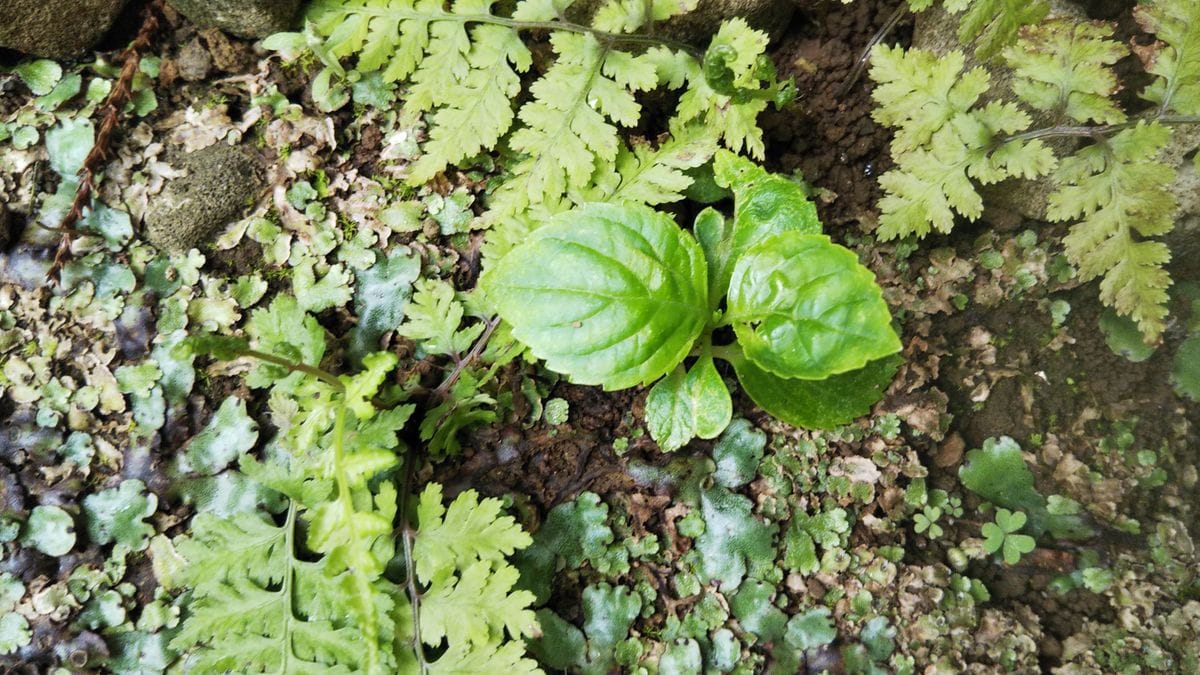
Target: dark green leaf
818,404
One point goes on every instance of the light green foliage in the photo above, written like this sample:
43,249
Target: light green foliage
683,406
608,613
14,628
317,597
735,543
737,454
827,529
997,472
1114,189
40,75
50,530
992,24
469,599
927,521
463,63
116,515
752,605
1001,536
1111,238
433,319
621,296
944,141
810,630
1175,59
1062,66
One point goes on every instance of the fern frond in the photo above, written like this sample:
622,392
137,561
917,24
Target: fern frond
1062,66
644,174
1176,59
993,24
1121,195
731,118
469,530
247,612
433,317
459,555
919,92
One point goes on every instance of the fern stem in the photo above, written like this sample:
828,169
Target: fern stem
414,598
864,57
1096,132
289,541
461,364
296,366
604,37
346,502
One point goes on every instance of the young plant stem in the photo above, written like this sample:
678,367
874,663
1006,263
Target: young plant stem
110,112
461,364
294,366
864,57
1097,132
407,534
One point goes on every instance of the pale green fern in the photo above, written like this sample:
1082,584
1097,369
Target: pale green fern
1114,187
318,598
462,64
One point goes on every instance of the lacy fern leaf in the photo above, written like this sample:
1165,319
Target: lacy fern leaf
993,24
1176,59
1120,194
1064,67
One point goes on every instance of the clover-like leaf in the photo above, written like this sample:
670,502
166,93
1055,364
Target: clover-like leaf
683,406
804,307
606,294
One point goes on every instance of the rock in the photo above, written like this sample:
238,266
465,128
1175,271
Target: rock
244,18
55,29
193,61
192,209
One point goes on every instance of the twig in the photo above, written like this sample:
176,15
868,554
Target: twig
865,55
1098,132
121,92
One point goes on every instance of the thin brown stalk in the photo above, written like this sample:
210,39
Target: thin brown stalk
110,119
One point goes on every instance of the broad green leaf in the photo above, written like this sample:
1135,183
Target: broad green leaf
381,293
997,472
68,144
803,307
40,76
683,406
734,543
116,515
606,294
811,629
764,205
756,613
818,404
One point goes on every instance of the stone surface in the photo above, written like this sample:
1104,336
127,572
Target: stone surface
193,61
55,29
245,18
221,180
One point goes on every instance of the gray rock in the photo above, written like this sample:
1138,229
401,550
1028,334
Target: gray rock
245,18
194,62
55,29
221,180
